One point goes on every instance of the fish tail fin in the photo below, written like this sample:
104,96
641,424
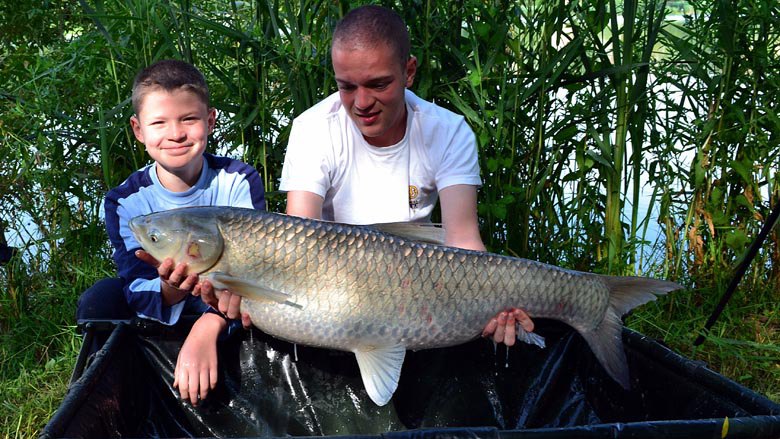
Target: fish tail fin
606,340
628,292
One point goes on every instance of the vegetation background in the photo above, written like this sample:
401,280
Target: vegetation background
616,137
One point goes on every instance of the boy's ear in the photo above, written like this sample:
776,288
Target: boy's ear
212,119
136,125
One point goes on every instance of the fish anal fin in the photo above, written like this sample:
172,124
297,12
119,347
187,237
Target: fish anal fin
380,368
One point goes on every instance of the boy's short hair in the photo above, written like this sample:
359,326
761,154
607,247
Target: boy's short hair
169,75
371,25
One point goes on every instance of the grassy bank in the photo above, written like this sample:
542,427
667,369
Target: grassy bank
38,356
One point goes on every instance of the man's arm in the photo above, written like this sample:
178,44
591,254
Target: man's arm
304,204
461,229
459,217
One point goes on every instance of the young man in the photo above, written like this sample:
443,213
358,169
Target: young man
375,152
173,120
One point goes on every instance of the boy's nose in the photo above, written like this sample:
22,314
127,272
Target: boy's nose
176,132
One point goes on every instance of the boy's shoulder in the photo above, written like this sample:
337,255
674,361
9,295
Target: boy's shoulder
134,183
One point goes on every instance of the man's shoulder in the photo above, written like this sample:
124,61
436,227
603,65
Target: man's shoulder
430,110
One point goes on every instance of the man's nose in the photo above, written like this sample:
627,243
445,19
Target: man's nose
363,98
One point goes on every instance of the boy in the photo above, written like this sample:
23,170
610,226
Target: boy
173,120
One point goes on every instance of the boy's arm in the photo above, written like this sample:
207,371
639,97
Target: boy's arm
227,303
151,290
196,366
175,283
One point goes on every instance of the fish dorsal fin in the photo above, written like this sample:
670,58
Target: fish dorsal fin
423,232
380,368
248,289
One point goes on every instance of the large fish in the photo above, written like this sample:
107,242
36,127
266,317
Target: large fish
359,289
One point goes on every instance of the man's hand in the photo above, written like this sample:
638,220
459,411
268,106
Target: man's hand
175,282
227,303
502,326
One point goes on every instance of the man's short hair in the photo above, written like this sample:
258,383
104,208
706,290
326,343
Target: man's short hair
370,26
169,75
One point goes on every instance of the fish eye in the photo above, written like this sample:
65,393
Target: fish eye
154,238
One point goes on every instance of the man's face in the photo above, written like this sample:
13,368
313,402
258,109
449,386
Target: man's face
175,127
371,85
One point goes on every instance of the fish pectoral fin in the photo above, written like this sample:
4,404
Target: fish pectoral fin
423,232
380,368
529,337
248,289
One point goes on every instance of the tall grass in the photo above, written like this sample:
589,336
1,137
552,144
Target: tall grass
584,112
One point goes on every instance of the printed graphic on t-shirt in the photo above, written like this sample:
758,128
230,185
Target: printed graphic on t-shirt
414,196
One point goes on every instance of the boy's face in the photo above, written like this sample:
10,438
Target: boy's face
175,127
371,85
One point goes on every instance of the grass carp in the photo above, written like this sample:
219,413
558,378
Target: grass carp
377,294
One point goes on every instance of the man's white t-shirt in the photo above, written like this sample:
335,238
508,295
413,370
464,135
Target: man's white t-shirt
364,184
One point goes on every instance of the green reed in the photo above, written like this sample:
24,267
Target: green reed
578,109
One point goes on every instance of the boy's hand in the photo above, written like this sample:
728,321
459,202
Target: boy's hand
227,303
196,367
175,283
502,326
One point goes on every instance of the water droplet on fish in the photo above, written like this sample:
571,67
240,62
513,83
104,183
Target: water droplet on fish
295,351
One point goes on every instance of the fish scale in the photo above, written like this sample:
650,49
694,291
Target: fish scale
360,289
336,265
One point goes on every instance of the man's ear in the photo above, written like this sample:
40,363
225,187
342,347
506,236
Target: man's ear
136,125
411,70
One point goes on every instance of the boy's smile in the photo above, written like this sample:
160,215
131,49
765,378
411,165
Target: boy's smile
175,127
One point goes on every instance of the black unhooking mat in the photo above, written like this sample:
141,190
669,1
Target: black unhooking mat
269,387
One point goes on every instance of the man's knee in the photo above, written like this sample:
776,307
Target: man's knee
103,300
